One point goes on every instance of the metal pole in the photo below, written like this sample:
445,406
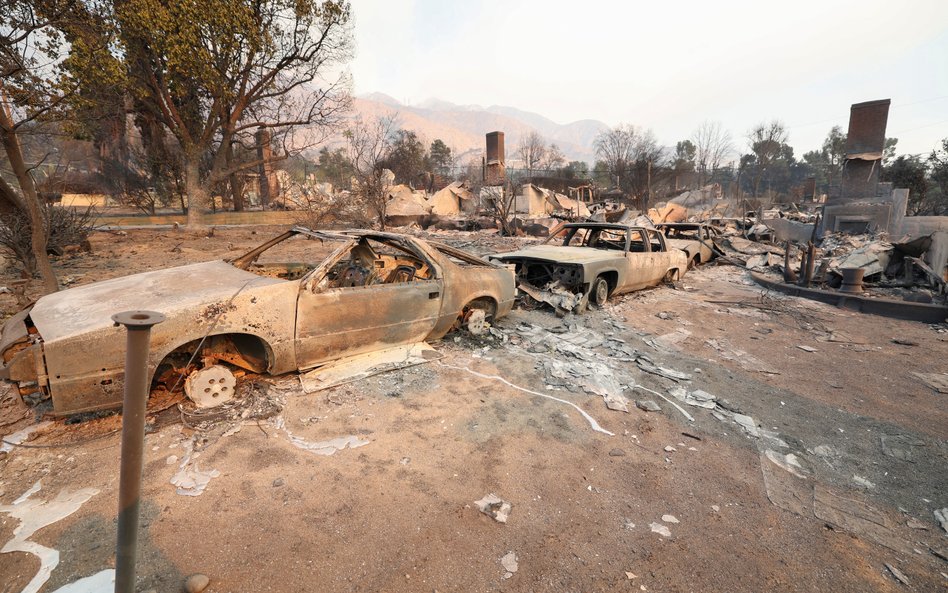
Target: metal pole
138,324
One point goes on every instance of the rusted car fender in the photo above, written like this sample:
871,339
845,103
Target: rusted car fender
81,384
484,282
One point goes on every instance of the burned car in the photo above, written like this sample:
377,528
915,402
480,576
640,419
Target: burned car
301,300
587,261
694,238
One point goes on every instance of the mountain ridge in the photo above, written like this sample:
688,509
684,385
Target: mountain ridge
463,127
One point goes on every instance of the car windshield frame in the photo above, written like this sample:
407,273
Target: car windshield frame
573,228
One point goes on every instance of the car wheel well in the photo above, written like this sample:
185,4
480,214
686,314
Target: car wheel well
488,304
673,275
612,279
245,351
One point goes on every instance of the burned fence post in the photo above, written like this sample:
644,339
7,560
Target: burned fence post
138,324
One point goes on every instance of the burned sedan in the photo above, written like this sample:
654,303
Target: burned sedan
586,262
694,238
303,299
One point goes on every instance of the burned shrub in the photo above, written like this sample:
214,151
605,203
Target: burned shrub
66,228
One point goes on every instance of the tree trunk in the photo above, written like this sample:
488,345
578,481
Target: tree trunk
11,145
236,187
197,197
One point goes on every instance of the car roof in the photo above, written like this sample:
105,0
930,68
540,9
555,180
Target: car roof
600,225
349,233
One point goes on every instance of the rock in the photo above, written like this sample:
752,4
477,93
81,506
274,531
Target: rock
748,424
942,516
617,453
660,529
494,507
670,519
669,449
196,583
278,482
509,562
647,405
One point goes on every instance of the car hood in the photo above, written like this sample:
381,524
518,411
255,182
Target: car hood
563,255
69,313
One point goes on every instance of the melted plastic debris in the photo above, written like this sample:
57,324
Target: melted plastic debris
21,435
190,479
97,583
34,515
322,447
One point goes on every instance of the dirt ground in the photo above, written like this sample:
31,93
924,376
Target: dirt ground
806,499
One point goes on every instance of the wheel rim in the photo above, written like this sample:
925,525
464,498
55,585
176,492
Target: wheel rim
602,291
477,323
211,386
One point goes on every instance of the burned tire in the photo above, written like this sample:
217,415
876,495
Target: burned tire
600,292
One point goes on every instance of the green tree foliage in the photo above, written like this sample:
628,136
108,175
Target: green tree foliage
938,171
335,167
827,163
770,162
442,160
36,86
910,172
684,160
575,170
407,157
212,72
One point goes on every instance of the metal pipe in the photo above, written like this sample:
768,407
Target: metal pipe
138,324
810,263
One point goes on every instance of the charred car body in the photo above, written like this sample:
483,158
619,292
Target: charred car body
695,239
592,262
279,308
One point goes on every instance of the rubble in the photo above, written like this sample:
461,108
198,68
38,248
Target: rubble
366,365
494,507
898,574
647,405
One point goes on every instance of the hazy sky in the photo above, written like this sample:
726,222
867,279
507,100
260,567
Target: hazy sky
668,65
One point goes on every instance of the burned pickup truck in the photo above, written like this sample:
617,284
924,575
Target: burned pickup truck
589,262
303,299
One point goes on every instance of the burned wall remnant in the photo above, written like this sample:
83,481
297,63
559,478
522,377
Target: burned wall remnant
495,169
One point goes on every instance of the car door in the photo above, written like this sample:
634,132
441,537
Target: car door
333,322
641,262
